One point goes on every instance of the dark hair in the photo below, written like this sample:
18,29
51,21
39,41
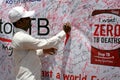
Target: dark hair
14,23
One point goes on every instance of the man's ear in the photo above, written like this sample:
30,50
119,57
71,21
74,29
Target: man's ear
19,24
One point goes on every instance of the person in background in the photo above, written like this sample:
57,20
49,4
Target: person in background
26,49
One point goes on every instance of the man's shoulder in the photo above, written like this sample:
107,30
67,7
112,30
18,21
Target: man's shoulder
22,36
19,35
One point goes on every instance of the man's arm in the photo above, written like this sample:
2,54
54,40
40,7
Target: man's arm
28,42
50,51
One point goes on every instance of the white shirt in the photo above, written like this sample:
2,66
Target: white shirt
25,50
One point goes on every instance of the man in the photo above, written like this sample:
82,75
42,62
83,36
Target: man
26,48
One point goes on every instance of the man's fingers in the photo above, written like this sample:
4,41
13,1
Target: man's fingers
52,51
67,27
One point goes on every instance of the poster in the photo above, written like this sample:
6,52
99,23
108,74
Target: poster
106,37
77,59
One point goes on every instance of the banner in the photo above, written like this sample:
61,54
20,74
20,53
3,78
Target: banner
106,37
90,52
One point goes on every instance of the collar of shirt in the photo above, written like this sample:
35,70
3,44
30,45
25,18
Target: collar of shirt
19,30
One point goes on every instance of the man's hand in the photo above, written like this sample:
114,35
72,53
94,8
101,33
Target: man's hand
50,51
67,27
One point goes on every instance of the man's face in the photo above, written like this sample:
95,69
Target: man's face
26,22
